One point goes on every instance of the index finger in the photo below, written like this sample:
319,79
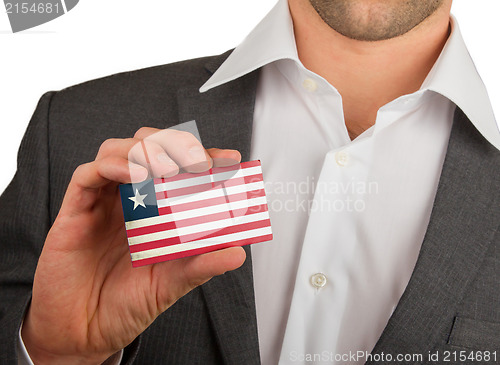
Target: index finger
182,147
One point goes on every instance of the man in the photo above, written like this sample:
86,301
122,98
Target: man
380,95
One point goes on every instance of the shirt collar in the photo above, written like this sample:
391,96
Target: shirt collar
453,75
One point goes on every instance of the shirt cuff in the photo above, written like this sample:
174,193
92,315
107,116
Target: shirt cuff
24,358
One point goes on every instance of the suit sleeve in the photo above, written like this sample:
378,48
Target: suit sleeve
24,223
25,220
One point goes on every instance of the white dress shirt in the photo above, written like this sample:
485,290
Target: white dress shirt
348,217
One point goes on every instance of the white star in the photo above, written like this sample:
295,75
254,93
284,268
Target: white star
138,199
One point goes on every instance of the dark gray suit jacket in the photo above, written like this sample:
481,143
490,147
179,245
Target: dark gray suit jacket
451,303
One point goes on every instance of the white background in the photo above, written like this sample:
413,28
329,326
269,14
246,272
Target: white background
98,38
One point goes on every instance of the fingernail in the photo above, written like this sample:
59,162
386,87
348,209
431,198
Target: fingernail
197,154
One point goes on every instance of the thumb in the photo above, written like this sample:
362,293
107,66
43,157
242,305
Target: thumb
194,271
203,267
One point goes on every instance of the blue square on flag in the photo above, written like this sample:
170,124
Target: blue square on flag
141,195
190,214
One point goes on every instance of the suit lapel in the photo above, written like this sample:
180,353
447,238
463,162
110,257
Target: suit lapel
464,219
224,117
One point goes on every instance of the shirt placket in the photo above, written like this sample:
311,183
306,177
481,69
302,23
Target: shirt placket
331,235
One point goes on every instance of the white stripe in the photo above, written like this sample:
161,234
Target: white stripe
247,203
207,179
201,243
198,228
208,194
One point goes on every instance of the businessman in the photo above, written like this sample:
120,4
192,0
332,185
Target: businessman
399,256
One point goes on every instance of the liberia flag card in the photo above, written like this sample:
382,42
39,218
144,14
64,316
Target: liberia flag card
190,214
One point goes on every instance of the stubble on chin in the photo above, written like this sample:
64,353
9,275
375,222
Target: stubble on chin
368,20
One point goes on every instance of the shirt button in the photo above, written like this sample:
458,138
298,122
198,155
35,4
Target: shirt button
318,280
342,158
310,85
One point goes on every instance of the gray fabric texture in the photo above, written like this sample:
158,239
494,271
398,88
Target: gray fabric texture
452,300
457,273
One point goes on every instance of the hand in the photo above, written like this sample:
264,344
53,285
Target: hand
88,302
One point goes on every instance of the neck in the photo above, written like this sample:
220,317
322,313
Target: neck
368,75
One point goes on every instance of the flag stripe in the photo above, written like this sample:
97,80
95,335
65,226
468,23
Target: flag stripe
212,201
200,236
202,243
194,179
199,251
168,216
210,194
196,219
220,224
235,181
215,170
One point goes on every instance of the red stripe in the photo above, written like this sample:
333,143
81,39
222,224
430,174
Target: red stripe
134,232
208,186
199,251
201,235
245,165
215,170
212,201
